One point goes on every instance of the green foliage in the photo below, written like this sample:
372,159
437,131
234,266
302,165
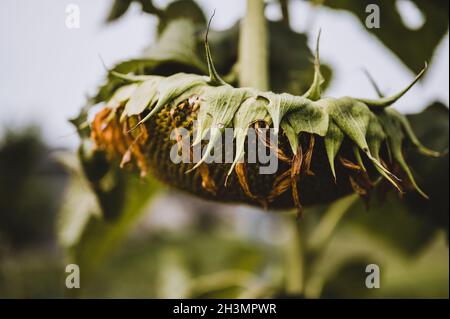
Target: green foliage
102,203
177,265
415,46
417,217
175,50
120,7
289,57
88,229
25,165
433,173
180,48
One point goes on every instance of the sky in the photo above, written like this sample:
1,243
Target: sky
47,69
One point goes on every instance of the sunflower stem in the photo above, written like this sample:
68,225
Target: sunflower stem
295,278
253,47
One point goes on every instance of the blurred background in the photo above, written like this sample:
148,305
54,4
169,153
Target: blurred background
166,244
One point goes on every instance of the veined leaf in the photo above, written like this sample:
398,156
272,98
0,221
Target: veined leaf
177,45
333,142
428,35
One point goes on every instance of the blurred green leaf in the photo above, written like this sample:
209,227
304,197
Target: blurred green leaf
348,281
34,274
180,48
291,60
120,7
28,210
80,203
409,223
341,271
182,9
103,202
413,47
175,51
89,236
432,128
167,264
99,237
391,221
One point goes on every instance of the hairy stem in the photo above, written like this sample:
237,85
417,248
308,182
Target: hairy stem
253,47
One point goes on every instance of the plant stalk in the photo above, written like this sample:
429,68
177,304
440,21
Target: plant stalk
253,47
295,284
253,72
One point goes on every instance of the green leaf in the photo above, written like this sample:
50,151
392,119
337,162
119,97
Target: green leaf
252,110
103,203
177,43
348,280
80,203
333,142
289,59
143,95
375,136
120,7
280,104
175,51
432,127
121,96
408,224
415,46
182,9
391,221
395,136
223,103
100,237
310,118
354,118
168,89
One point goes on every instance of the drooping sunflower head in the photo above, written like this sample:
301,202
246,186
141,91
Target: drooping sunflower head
176,127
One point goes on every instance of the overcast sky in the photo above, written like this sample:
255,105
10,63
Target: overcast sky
46,69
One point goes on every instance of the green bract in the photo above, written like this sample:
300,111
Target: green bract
367,123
